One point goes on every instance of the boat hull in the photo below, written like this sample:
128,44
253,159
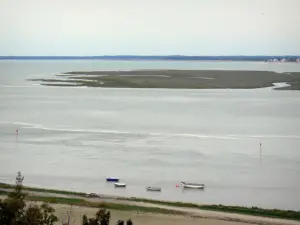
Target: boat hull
112,179
153,189
192,186
120,185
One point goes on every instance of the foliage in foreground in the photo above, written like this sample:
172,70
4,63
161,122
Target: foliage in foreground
102,218
13,209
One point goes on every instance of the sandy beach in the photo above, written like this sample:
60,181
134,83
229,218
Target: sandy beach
192,218
137,218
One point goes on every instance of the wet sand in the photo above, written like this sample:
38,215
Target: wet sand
177,79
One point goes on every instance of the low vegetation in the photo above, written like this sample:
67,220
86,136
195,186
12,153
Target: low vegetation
167,203
103,205
276,213
174,79
9,186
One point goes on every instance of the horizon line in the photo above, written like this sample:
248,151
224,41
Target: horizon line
133,55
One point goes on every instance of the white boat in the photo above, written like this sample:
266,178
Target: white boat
153,188
120,185
192,185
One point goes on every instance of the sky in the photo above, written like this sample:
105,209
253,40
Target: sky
149,27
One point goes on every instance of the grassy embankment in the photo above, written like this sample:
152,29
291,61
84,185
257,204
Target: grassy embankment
83,202
106,205
255,211
9,186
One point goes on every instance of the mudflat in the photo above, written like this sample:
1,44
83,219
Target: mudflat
177,79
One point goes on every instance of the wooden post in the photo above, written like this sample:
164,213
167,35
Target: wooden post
17,133
260,152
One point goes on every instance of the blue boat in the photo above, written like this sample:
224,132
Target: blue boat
112,179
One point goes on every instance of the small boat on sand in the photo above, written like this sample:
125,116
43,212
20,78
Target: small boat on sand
92,195
153,188
112,179
192,185
123,185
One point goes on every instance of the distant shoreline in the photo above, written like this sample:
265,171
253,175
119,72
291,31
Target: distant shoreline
264,58
175,79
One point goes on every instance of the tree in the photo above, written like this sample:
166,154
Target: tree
13,210
33,215
102,218
121,222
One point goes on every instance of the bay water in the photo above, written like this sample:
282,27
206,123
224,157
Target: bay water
73,137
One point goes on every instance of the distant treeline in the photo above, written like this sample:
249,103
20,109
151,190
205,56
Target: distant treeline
288,58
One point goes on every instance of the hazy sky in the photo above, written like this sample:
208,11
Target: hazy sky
148,27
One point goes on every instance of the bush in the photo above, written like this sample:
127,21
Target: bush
102,218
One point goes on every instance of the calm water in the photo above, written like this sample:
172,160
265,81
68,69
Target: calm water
71,138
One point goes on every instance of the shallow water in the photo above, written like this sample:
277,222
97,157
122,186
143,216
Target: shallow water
71,138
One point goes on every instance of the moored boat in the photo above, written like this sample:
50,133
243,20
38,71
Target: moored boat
192,185
153,188
112,179
120,185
